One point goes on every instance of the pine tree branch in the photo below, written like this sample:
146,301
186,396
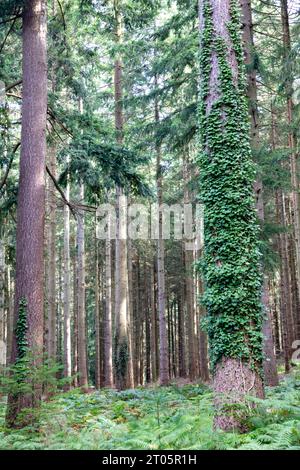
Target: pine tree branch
58,188
4,179
7,34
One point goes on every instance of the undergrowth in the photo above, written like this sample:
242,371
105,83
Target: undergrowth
156,418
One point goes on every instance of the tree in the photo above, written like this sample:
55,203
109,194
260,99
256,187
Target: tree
122,349
29,290
231,256
270,369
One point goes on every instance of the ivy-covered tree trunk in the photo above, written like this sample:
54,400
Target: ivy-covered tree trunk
231,263
29,292
270,368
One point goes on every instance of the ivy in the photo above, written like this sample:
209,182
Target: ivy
230,264
21,328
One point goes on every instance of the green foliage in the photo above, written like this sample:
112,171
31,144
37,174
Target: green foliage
21,328
29,370
156,418
231,258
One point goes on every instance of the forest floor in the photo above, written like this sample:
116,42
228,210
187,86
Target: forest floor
175,417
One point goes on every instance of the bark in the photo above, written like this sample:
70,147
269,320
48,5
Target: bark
82,345
97,319
51,264
189,287
108,362
285,286
122,346
67,291
75,322
154,343
31,196
10,314
163,338
233,381
294,197
2,306
181,336
270,369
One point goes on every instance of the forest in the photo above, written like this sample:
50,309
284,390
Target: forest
149,225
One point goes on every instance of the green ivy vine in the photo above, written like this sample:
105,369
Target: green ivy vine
21,329
230,264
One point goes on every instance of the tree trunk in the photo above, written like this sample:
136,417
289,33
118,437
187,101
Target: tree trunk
67,291
189,285
285,287
270,368
154,348
108,362
31,199
2,306
294,197
97,319
122,349
82,345
51,264
75,322
231,257
163,338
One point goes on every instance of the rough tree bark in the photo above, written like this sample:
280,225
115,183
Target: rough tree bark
161,294
108,362
82,345
51,333
31,198
287,65
67,290
2,305
189,286
122,349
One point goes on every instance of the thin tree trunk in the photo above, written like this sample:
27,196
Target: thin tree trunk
294,197
122,348
67,291
31,199
181,336
10,314
163,337
154,351
97,319
75,322
51,263
189,286
3,347
108,362
82,346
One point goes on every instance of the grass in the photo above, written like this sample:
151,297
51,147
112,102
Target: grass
156,418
